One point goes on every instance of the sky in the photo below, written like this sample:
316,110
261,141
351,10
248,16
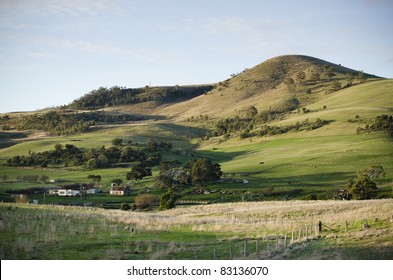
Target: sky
53,52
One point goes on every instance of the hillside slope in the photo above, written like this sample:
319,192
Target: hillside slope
267,87
292,158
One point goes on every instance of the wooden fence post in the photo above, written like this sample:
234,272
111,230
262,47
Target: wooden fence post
306,232
230,251
285,240
346,226
319,227
292,240
267,245
256,246
245,249
215,253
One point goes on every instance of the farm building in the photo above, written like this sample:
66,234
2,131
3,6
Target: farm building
68,193
52,192
119,190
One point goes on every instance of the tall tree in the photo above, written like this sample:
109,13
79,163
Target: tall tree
349,77
330,71
138,172
315,77
169,170
361,77
300,76
362,187
251,112
203,171
44,178
4,178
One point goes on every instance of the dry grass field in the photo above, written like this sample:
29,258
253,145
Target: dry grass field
252,230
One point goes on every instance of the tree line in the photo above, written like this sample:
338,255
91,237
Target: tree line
70,155
245,125
116,96
380,123
62,123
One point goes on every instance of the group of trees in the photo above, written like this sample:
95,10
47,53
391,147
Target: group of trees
246,124
115,96
363,186
250,119
62,123
172,177
328,72
94,157
381,123
68,154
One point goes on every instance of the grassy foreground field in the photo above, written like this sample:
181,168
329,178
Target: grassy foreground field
253,230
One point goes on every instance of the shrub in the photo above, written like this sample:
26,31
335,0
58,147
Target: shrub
311,197
168,199
125,207
145,200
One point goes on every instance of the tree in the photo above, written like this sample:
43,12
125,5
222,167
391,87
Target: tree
138,172
362,187
117,181
315,77
375,171
169,170
168,199
125,206
349,78
58,147
4,178
44,178
203,171
127,154
290,83
336,85
145,200
94,178
251,112
300,76
152,146
92,163
361,77
330,71
117,142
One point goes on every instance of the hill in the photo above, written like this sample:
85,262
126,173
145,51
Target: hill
278,84
119,96
311,127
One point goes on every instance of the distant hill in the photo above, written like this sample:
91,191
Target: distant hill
267,86
119,96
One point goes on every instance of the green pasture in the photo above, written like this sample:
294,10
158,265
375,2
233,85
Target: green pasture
295,164
266,230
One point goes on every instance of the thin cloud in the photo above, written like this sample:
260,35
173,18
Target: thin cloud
69,7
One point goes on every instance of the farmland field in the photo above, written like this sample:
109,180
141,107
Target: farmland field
252,230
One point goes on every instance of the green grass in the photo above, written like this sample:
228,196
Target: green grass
295,164
58,232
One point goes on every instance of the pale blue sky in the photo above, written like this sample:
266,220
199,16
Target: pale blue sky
52,52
